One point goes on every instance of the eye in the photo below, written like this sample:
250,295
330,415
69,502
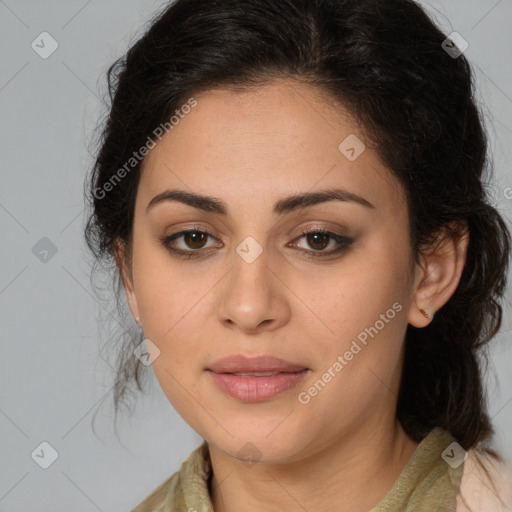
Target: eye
319,239
194,242
194,239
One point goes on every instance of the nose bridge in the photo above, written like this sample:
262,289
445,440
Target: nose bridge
249,280
250,297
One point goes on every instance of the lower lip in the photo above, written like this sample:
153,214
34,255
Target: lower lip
256,389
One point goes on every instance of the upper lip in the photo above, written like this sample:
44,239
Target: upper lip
247,364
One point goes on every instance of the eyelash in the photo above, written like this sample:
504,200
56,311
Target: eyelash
344,243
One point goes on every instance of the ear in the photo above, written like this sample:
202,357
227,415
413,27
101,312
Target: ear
438,273
123,262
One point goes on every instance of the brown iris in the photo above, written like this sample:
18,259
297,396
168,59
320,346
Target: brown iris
196,237
314,239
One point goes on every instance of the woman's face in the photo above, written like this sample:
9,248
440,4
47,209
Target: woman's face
253,286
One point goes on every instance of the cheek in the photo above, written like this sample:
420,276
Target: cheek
365,310
167,293
173,303
366,286
184,390
359,366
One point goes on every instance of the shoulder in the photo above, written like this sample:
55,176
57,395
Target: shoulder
159,499
185,489
486,484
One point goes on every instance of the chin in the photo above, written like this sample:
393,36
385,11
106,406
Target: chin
259,443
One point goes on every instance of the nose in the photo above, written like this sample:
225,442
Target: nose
253,297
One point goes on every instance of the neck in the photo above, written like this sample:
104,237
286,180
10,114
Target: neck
353,474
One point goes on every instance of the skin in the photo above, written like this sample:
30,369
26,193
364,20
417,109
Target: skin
344,449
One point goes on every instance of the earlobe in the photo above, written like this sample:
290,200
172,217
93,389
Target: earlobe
428,316
439,274
421,318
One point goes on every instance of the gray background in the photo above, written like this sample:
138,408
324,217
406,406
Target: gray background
53,379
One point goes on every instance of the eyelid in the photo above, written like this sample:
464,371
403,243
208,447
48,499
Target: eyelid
194,229
301,230
343,242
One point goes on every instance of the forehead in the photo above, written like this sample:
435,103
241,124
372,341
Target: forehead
264,143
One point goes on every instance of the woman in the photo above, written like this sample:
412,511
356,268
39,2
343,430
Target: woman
292,192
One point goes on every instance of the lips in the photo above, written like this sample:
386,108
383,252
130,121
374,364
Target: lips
252,365
255,379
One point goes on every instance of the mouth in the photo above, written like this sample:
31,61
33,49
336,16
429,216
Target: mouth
255,379
250,365
256,374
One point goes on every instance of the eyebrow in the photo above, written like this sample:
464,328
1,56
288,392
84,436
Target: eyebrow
286,205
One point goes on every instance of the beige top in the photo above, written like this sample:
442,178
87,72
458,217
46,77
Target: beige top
433,479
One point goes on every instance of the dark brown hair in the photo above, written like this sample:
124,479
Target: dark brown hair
384,61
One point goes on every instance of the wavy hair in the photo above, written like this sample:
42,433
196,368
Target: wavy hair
384,61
